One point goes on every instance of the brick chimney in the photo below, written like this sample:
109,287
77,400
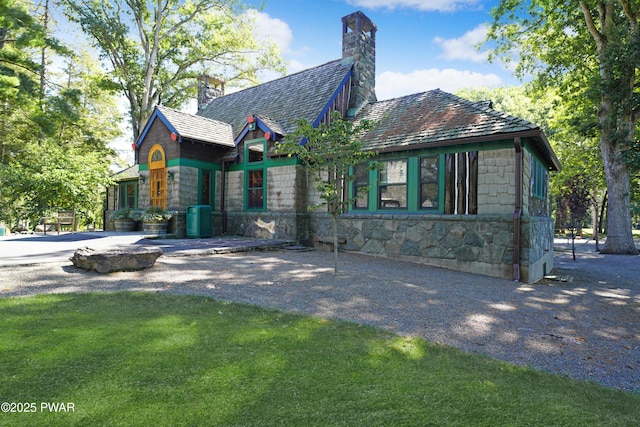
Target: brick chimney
359,47
208,89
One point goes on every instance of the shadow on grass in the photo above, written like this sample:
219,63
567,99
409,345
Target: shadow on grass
587,329
152,359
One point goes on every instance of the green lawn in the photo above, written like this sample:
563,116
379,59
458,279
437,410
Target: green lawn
159,360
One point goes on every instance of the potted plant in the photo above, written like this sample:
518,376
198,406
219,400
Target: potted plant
123,219
155,220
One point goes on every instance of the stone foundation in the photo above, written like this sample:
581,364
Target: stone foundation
269,225
470,243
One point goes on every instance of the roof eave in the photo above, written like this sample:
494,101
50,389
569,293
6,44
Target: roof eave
536,134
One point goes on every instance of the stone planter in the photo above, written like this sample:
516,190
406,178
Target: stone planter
124,224
155,227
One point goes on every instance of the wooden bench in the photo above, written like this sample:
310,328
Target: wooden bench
64,218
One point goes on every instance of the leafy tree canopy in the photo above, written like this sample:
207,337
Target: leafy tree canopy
156,49
588,52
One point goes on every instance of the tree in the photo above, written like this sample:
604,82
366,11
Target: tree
576,198
328,152
54,152
589,51
156,49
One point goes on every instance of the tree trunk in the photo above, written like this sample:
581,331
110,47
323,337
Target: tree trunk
619,232
335,246
617,123
603,208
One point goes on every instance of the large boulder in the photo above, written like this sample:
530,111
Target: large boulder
126,258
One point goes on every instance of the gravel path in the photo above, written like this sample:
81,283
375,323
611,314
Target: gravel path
587,329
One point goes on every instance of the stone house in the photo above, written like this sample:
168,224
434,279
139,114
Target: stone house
460,185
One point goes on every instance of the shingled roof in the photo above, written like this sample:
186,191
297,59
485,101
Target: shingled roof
437,118
304,95
197,128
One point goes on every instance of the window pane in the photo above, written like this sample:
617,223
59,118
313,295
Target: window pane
206,188
429,196
362,174
255,152
256,198
362,199
255,189
429,169
360,185
429,183
393,172
393,197
131,195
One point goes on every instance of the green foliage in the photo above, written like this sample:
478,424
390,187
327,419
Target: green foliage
588,52
157,49
328,152
148,359
122,215
54,152
155,214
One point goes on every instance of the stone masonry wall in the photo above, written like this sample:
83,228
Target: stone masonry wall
186,184
536,240
235,191
481,244
269,225
496,176
281,189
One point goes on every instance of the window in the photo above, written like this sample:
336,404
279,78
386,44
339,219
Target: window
393,185
538,179
255,174
205,189
360,186
127,196
255,189
429,194
255,152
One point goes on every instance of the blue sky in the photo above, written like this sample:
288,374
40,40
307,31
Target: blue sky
420,44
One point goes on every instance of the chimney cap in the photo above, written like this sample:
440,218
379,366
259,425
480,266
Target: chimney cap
358,21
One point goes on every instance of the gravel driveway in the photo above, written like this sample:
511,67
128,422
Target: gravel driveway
587,329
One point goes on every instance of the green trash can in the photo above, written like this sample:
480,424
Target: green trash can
199,221
1,231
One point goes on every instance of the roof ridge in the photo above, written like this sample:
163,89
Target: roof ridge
282,78
489,110
195,116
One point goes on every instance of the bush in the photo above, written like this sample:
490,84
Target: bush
156,214
122,215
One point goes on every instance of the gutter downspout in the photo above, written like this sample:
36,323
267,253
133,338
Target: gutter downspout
223,192
517,214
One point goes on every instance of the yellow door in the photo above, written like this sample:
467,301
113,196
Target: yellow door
157,177
158,184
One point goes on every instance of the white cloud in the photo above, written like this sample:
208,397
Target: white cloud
464,48
423,5
274,29
390,84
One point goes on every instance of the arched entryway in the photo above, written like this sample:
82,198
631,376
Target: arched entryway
158,176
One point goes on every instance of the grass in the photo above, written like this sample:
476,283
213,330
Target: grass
137,359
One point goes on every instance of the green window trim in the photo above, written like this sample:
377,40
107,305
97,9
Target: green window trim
393,188
255,175
206,187
413,183
539,179
128,194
